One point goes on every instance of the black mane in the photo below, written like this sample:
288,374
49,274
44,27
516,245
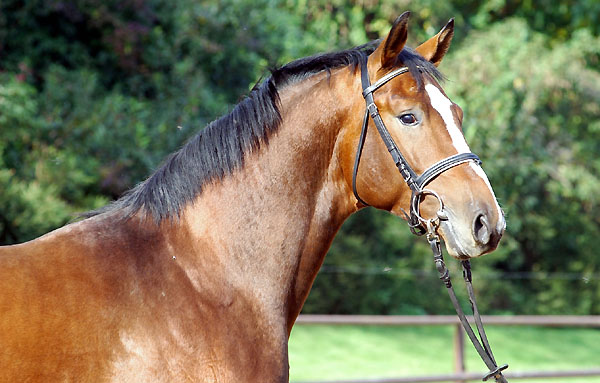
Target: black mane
220,148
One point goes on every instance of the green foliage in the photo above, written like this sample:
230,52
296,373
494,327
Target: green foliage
93,95
533,118
367,270
30,206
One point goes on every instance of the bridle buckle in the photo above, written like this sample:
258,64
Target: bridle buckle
496,373
373,111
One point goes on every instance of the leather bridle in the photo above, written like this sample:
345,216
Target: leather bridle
419,225
415,183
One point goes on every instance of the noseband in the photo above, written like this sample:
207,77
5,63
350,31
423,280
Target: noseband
419,225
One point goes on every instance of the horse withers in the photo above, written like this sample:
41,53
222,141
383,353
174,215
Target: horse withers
199,272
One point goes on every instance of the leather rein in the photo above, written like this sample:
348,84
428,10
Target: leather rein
419,225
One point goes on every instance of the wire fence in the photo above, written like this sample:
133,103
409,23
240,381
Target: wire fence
517,275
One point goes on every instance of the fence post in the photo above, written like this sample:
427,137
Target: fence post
459,351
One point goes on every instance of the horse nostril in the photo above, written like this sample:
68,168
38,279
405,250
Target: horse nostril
481,229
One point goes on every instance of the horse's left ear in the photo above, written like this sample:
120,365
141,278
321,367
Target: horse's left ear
436,47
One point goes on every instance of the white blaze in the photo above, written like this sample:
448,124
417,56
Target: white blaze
443,106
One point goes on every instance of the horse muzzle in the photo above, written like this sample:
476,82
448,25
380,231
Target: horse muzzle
474,235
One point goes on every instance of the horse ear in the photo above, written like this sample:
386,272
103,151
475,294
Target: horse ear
436,47
390,48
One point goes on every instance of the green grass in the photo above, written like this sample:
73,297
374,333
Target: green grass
324,352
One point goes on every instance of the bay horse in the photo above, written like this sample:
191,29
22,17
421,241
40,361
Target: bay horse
199,272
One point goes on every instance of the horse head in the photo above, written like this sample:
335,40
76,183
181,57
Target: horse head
425,126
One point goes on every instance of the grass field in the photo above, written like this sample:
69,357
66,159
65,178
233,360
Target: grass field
326,352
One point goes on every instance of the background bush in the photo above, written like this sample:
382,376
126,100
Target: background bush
94,94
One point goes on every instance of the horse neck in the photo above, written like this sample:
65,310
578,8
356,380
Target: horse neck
268,226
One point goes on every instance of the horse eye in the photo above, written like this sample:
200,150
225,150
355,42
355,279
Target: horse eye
408,119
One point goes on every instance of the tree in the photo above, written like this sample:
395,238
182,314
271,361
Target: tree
93,95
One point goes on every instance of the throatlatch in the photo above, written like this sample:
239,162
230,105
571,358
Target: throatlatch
420,225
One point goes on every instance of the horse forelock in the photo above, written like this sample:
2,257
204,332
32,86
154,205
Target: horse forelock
419,67
221,147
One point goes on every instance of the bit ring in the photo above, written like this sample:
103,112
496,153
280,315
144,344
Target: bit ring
416,210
